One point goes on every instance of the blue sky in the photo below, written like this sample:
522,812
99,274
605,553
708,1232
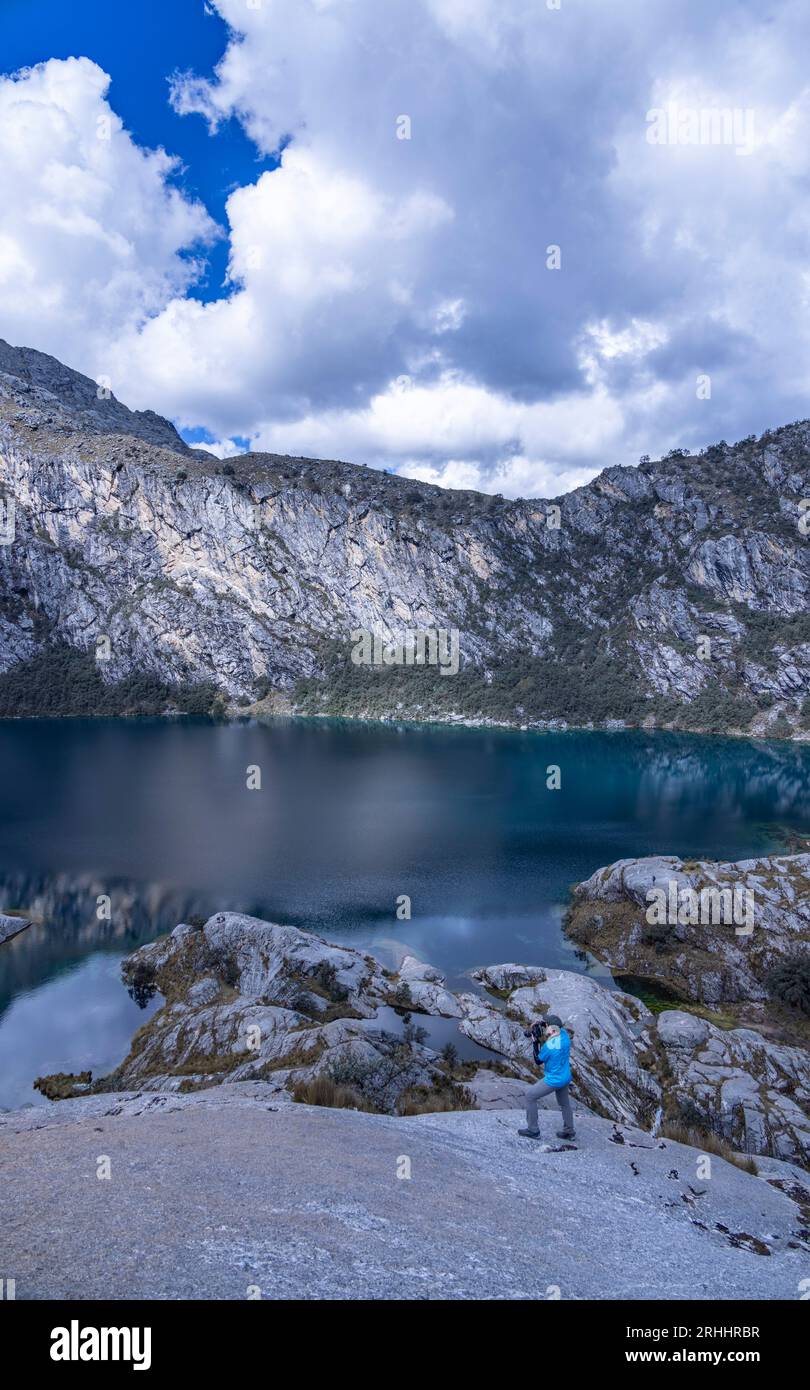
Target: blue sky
400,301
142,45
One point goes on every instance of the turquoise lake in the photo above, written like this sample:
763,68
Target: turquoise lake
157,816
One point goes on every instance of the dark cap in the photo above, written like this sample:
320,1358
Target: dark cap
553,1019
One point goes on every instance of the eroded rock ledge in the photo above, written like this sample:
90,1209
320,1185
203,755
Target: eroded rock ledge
755,1076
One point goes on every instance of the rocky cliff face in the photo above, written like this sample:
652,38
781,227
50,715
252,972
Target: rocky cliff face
673,592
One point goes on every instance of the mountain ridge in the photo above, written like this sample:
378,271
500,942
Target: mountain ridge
91,401
674,593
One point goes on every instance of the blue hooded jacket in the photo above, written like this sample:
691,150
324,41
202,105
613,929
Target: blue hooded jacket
555,1054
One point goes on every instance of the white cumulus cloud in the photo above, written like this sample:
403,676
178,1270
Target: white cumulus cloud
388,296
91,226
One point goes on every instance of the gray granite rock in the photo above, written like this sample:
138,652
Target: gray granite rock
754,1092
678,1030
493,1091
708,961
234,1190
248,1001
508,977
12,926
606,1028
417,971
426,985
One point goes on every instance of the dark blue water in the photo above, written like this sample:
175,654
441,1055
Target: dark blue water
157,816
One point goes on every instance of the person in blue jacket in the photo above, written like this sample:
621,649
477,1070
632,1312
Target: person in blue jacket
552,1048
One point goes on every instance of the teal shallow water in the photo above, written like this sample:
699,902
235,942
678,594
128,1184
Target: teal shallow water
348,819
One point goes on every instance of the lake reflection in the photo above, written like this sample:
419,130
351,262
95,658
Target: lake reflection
157,816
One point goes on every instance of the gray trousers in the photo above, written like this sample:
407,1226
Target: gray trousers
537,1092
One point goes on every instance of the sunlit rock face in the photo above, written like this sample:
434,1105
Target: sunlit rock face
677,591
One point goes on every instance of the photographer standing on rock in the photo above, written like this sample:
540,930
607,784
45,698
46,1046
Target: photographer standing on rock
551,1046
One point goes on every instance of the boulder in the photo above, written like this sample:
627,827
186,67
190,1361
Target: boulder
677,1030
204,991
426,985
414,970
12,926
751,1091
744,917
508,977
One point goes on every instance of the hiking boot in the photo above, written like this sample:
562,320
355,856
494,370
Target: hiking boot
529,1133
563,1134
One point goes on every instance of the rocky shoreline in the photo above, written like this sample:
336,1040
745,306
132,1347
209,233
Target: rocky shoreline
697,956
761,730
260,1122
253,1001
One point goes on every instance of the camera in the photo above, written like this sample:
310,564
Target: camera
535,1032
